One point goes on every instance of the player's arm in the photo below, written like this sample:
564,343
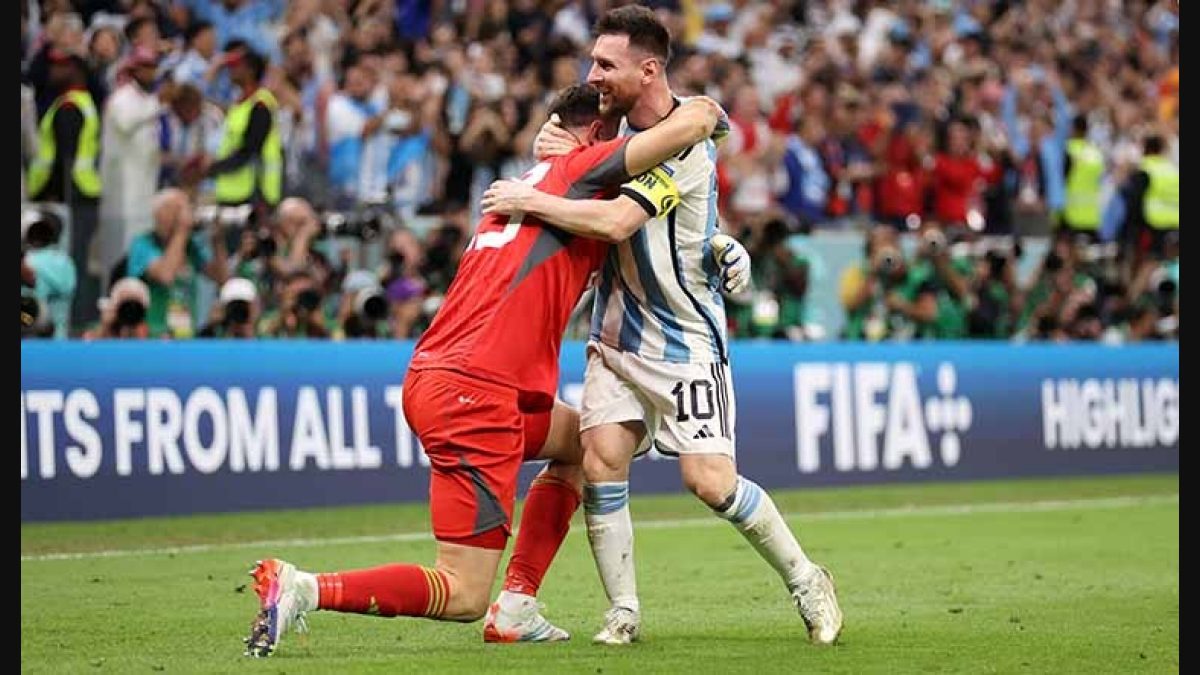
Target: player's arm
648,195
694,121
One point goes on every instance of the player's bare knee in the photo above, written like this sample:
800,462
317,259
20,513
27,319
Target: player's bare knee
710,481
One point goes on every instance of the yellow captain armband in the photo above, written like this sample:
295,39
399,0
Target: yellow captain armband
654,190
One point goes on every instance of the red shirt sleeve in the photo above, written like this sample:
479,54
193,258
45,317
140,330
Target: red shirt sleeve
599,166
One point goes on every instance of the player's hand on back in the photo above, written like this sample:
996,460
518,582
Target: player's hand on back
553,140
506,197
721,131
734,262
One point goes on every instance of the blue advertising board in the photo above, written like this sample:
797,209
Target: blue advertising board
123,429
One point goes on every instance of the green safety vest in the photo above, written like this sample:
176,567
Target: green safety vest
1161,202
85,172
1083,211
237,187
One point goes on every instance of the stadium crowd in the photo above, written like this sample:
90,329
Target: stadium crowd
317,164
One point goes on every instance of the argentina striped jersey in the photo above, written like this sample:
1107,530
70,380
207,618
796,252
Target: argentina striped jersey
657,295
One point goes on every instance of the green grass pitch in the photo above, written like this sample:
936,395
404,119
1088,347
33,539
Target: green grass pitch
1045,576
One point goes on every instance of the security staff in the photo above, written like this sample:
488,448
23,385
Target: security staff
66,168
249,166
1084,170
1151,197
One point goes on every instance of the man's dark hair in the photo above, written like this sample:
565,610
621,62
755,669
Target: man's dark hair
257,64
1080,125
195,28
578,105
1153,145
132,28
642,27
45,231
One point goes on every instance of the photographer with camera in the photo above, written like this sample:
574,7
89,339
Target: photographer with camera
1058,291
937,295
997,293
236,313
48,273
300,312
169,259
363,311
403,284
865,289
774,308
123,313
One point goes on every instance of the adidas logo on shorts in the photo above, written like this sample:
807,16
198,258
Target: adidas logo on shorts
704,432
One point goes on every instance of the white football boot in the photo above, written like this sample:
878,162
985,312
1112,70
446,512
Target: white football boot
818,605
621,627
523,623
282,599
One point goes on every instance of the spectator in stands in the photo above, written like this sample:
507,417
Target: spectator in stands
352,119
807,188
143,33
960,172
169,258
191,127
132,159
52,269
245,20
105,43
195,65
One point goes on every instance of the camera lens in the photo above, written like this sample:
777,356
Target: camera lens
266,247
375,307
237,312
130,313
309,299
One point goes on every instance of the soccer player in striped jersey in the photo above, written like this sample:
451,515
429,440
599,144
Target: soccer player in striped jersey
658,361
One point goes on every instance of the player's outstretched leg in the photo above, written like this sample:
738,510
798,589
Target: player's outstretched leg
751,510
516,615
608,450
455,589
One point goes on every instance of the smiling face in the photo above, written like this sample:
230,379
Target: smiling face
618,72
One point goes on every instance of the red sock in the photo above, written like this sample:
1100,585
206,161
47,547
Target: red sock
544,523
390,590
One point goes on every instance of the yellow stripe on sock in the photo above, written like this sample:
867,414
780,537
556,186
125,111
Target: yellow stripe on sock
429,587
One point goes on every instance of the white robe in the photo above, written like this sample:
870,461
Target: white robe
130,160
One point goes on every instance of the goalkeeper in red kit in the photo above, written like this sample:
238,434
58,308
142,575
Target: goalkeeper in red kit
480,394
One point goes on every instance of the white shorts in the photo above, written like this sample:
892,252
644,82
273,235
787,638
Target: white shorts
688,408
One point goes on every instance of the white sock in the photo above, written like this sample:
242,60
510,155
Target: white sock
513,602
753,513
610,532
308,590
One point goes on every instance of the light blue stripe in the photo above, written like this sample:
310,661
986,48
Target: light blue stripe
600,305
748,500
605,498
676,350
